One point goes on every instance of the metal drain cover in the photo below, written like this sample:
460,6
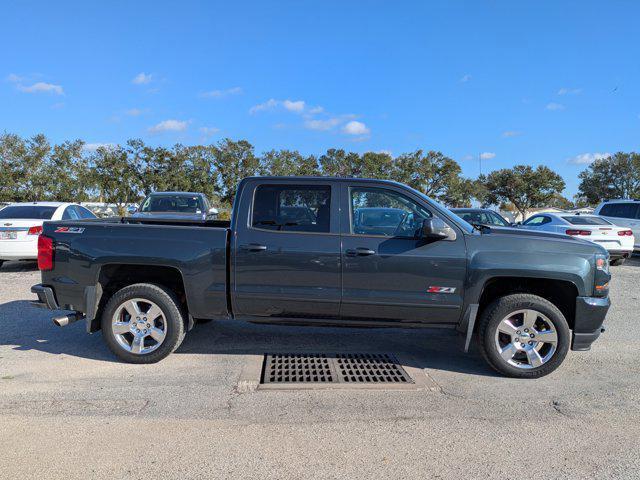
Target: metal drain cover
340,368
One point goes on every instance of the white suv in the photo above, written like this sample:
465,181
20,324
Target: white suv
624,213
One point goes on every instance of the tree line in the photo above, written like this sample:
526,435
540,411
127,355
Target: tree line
35,169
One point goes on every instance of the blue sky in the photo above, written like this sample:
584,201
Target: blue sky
545,82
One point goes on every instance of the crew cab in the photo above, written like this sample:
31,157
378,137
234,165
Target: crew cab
323,251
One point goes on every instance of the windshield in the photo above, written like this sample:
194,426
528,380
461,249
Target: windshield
37,212
579,220
172,203
482,217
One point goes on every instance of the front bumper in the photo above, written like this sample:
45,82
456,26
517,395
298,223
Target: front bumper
590,314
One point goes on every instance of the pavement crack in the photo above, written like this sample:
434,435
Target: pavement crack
439,388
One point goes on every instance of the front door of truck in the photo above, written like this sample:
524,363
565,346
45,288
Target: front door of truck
287,250
389,273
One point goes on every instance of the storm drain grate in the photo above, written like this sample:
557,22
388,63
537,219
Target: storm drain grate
297,368
370,368
360,368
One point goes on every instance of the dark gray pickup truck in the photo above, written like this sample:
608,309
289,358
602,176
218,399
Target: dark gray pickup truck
328,251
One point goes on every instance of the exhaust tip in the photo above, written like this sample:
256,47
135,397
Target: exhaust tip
67,319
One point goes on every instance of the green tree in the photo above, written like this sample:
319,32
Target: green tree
116,176
288,162
338,163
67,173
617,176
432,173
523,186
233,161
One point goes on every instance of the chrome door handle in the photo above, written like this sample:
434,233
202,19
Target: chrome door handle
254,247
360,251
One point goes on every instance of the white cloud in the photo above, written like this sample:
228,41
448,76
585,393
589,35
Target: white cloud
586,158
208,132
92,147
294,106
42,87
487,155
554,106
465,78
315,110
13,78
268,105
322,125
569,91
511,133
142,78
222,93
355,128
134,112
169,126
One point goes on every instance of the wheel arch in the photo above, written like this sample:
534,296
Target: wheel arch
115,276
562,293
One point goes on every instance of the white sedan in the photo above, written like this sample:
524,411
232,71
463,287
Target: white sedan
618,241
21,223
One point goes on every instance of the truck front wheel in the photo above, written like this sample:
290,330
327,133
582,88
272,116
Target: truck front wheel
523,336
142,323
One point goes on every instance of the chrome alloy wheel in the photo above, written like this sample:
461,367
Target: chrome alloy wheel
139,326
526,339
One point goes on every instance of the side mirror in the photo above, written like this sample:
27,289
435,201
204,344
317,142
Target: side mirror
437,229
212,212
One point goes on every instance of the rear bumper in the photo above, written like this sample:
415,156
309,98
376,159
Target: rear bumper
46,297
590,315
18,250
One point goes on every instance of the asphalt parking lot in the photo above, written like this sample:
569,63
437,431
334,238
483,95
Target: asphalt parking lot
69,410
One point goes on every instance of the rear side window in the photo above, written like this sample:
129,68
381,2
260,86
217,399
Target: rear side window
539,220
292,208
620,210
84,213
578,220
70,213
28,211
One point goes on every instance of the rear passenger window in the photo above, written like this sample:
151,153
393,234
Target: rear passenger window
292,208
619,210
70,214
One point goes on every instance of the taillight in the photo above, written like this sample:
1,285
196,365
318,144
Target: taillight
45,253
578,232
625,233
37,230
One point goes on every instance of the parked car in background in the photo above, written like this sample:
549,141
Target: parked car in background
482,216
623,213
21,223
176,205
618,241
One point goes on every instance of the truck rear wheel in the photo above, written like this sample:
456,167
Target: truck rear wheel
524,336
142,323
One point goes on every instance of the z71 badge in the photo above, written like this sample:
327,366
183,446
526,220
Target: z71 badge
441,290
69,230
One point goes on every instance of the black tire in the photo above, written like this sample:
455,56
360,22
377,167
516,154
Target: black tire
168,304
1,262
501,308
617,262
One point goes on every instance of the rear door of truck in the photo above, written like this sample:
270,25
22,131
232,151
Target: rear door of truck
286,249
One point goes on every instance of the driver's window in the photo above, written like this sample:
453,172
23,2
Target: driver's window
377,211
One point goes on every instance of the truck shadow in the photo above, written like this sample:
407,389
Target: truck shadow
24,327
19,266
419,348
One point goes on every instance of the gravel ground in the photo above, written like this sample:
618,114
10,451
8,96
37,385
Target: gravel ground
68,410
